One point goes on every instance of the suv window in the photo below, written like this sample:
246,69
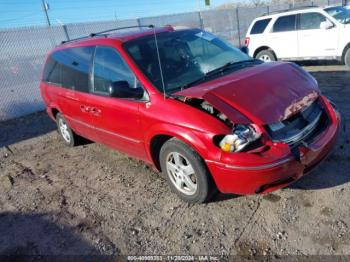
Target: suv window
285,23
110,67
70,68
311,21
260,26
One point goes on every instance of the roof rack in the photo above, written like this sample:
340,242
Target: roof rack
106,31
290,9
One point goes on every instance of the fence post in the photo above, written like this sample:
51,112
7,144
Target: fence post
268,9
201,24
66,31
238,28
138,22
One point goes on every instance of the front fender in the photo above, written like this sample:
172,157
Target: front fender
201,142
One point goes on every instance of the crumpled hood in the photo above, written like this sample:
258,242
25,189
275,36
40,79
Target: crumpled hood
264,94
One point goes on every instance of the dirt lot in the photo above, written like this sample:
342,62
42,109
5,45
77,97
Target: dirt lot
90,199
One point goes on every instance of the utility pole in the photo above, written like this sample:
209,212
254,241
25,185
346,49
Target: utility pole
46,7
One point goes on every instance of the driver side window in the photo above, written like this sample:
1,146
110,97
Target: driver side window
109,67
310,21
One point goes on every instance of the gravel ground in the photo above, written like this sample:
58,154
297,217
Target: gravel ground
92,200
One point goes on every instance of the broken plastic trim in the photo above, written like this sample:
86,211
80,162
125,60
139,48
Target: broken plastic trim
242,138
298,127
303,133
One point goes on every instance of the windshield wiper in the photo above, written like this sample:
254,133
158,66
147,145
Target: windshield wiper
230,65
215,71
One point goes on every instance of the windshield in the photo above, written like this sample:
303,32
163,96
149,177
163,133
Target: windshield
186,56
340,13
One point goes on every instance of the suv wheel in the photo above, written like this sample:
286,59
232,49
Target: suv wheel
266,56
69,137
347,58
186,172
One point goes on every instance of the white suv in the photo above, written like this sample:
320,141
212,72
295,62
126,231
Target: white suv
301,34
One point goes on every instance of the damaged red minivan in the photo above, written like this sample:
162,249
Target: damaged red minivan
205,114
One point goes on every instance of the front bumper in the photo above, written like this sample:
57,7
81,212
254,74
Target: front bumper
278,168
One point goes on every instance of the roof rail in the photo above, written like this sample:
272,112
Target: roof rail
290,9
106,31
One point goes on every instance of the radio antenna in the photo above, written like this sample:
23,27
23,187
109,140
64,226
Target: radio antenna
159,62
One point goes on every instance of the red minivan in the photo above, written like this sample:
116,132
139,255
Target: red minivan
205,114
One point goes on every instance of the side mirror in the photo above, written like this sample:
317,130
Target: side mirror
122,89
244,49
326,25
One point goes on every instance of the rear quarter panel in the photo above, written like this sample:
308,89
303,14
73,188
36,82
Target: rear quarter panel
50,96
260,40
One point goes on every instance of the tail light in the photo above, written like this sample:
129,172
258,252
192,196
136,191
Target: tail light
246,41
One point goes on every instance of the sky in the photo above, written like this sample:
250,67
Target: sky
20,13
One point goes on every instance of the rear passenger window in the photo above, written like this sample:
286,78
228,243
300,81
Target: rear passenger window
70,68
260,26
110,67
311,21
285,23
53,71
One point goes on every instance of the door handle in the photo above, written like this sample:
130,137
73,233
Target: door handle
71,96
95,111
85,109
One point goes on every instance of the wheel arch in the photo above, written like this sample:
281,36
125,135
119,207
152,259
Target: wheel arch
157,139
54,112
156,144
347,46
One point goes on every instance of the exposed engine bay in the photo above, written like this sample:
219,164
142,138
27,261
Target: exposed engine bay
301,126
208,108
241,136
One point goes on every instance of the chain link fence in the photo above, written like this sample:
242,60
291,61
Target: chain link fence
23,51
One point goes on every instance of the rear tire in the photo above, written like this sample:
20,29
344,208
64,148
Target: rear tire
66,133
266,56
186,172
347,58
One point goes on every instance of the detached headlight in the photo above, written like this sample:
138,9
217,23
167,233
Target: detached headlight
242,136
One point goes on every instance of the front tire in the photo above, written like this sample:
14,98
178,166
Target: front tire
347,58
66,133
266,56
186,172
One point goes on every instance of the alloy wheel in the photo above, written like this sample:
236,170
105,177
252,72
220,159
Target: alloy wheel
64,130
265,58
181,173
